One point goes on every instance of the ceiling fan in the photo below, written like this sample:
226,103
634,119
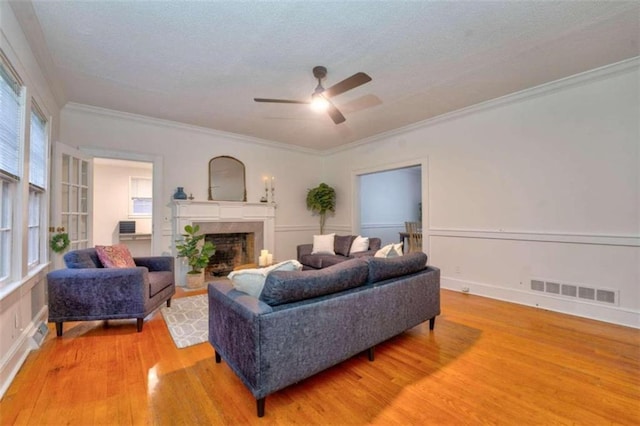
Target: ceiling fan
320,98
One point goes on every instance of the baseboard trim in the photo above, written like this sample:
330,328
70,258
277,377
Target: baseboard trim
595,311
12,362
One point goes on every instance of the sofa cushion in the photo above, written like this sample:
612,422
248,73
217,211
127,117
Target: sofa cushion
381,268
81,259
251,281
323,244
359,244
116,256
312,260
286,287
342,244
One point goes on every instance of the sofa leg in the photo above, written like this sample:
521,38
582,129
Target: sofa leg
218,359
168,302
59,329
432,323
260,406
370,353
139,324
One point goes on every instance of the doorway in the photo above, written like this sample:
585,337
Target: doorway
388,198
123,204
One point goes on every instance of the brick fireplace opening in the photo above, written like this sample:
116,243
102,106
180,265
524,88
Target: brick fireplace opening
236,243
232,249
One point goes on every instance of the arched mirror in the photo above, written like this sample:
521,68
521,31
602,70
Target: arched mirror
226,179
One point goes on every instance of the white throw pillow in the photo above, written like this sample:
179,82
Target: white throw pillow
323,244
399,249
389,251
359,244
251,281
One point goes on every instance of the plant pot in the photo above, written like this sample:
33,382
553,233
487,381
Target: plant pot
195,280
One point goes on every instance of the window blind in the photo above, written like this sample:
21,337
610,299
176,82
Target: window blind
37,150
9,125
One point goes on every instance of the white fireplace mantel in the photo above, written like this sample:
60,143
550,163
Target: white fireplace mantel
189,212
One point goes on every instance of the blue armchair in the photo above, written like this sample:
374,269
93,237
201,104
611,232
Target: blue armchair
86,291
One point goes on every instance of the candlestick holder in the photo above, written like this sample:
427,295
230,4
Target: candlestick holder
273,195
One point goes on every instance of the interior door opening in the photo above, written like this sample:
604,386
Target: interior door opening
388,199
123,204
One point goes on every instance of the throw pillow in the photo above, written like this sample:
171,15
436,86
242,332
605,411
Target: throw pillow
359,244
323,244
342,244
116,256
399,248
251,281
390,250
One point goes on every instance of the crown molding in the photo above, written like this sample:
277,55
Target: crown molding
540,90
99,111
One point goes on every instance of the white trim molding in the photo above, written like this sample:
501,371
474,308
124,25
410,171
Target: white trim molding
603,239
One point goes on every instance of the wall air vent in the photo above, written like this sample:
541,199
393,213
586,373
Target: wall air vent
551,287
587,293
555,288
537,285
569,290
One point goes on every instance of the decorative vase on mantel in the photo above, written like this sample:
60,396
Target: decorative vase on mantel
180,194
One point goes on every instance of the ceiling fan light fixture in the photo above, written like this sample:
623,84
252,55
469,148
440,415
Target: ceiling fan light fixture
319,103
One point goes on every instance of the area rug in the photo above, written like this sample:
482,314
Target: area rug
187,320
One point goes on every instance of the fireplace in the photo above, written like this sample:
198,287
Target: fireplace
238,230
232,249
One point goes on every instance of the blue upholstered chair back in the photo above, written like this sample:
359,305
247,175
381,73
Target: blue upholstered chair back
82,259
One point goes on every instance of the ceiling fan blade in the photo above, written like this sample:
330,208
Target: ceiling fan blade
349,83
335,114
280,101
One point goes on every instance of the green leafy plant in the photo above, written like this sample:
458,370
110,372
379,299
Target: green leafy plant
322,200
189,247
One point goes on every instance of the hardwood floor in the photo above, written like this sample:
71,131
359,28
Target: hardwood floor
486,362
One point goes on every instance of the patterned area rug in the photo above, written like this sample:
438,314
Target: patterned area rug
187,320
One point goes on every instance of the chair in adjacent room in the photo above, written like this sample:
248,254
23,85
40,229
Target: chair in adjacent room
414,229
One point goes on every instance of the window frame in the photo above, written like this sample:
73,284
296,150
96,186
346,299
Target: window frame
134,195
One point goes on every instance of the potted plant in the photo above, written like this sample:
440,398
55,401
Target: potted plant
322,200
197,254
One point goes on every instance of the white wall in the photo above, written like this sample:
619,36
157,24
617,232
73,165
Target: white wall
541,184
388,199
23,300
186,151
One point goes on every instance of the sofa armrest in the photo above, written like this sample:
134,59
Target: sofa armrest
155,263
97,291
234,330
304,249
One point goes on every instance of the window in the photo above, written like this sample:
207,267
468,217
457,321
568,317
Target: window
10,122
5,229
141,201
37,182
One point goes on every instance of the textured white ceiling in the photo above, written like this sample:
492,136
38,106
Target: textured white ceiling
202,63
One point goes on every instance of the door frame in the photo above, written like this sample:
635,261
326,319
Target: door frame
423,162
157,210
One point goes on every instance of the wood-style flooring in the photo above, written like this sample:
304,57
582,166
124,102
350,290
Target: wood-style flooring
486,362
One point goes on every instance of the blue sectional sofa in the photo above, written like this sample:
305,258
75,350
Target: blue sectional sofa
307,321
